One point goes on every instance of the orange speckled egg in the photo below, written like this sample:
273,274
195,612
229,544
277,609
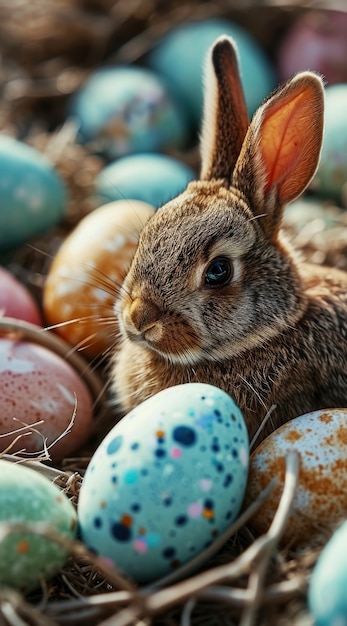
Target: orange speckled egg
320,438
83,282
37,384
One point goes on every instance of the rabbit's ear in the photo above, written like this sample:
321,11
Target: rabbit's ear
281,151
225,119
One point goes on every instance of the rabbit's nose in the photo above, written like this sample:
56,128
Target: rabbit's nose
144,314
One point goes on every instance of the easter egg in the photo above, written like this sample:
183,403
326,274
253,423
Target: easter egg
16,301
36,384
28,497
167,480
123,110
327,589
152,178
320,501
316,41
331,176
180,58
84,280
32,194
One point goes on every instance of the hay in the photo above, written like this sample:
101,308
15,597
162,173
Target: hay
48,47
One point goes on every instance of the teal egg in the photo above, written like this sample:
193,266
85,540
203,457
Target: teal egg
167,480
331,175
126,110
152,178
180,58
327,591
32,194
28,497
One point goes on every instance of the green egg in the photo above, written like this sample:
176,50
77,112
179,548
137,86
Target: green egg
29,497
32,194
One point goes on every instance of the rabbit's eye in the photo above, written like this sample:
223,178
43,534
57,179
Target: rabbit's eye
219,273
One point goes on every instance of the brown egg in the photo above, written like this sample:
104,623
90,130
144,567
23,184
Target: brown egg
320,502
84,280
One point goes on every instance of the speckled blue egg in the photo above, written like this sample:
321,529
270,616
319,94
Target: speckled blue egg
151,178
166,481
331,176
327,590
180,58
32,194
125,110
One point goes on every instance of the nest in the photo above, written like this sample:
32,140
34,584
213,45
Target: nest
48,47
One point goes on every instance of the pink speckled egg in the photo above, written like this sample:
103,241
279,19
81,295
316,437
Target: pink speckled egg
84,280
37,384
16,301
320,502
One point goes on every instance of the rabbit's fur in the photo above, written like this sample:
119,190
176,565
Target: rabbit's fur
257,323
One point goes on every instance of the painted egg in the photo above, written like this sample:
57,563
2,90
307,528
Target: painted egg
331,176
84,280
36,384
180,57
320,438
32,194
166,480
152,178
28,497
123,110
316,41
16,301
327,589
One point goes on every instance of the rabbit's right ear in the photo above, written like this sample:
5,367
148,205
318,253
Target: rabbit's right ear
225,119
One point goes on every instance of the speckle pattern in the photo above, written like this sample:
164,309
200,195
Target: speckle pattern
167,478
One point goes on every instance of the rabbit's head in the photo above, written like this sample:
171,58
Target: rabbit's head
212,276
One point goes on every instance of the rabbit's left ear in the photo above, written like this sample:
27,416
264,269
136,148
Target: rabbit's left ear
225,119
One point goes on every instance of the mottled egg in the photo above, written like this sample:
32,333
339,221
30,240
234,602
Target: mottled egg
316,41
327,589
36,384
166,481
180,57
27,497
84,280
123,110
331,176
320,438
32,194
152,178
16,301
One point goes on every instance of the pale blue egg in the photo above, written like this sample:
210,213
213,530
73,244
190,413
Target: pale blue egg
180,58
152,178
32,194
126,110
166,481
327,591
331,175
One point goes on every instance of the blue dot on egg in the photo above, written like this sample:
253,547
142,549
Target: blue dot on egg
169,552
134,446
184,435
228,479
160,453
135,508
97,522
115,445
131,476
181,520
121,532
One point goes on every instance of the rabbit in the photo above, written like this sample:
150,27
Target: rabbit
215,293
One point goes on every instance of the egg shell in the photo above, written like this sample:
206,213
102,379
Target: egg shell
16,301
28,497
316,41
327,589
330,179
151,178
32,194
127,109
180,58
84,279
320,438
166,480
36,384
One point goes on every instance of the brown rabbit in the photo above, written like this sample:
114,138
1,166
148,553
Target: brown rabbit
214,293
